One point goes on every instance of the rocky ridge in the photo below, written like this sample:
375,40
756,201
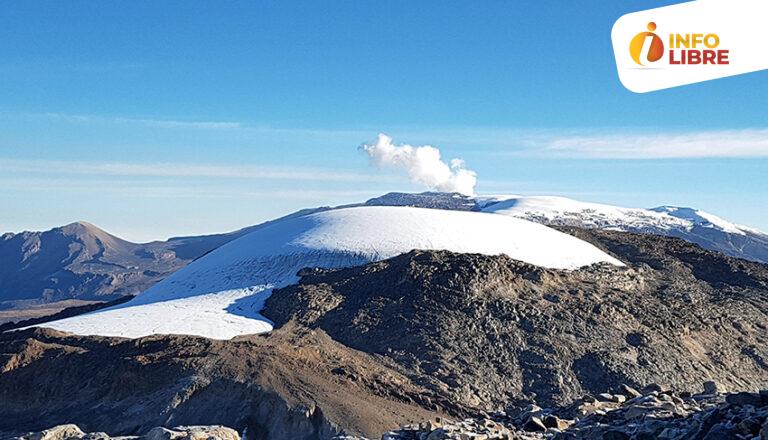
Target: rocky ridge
292,383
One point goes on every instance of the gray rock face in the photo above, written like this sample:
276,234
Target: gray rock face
433,200
489,329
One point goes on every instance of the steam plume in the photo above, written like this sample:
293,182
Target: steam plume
423,165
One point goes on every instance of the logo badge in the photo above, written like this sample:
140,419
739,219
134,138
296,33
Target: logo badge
690,42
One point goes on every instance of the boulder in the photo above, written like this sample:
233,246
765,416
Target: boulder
61,432
555,422
161,433
712,387
722,432
615,435
653,388
630,392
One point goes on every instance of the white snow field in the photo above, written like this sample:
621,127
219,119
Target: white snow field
565,211
220,295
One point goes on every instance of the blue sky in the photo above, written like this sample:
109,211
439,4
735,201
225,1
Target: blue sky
153,119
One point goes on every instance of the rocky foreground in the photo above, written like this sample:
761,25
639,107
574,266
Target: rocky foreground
361,350
654,413
73,432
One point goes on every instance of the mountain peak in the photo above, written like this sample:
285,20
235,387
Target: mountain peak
93,237
82,228
81,224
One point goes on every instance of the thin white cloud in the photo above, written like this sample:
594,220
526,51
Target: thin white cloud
512,142
178,124
702,144
148,190
186,170
153,123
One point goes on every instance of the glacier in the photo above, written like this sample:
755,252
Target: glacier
220,295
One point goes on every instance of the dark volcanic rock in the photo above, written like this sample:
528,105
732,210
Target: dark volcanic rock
292,384
432,200
490,329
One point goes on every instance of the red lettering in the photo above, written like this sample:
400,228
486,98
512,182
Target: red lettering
692,56
722,57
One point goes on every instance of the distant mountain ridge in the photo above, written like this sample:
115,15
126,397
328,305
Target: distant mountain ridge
78,260
81,261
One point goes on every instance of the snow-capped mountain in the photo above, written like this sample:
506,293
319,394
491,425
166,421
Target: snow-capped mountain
707,230
221,294
567,212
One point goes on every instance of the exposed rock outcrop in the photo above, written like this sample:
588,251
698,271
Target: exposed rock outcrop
488,330
284,386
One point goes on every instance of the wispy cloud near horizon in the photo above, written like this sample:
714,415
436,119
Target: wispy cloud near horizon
629,143
129,169
125,188
182,123
747,143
